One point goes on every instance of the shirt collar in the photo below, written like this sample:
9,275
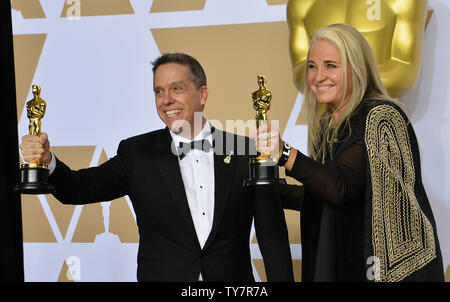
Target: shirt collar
205,133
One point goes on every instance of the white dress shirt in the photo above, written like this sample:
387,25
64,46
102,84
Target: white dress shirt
52,165
197,171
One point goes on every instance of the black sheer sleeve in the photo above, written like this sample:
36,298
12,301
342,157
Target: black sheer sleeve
337,181
292,197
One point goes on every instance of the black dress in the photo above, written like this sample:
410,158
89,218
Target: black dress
365,215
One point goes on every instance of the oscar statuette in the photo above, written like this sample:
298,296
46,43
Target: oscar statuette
34,175
263,169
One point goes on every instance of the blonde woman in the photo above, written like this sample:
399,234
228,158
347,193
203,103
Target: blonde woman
365,215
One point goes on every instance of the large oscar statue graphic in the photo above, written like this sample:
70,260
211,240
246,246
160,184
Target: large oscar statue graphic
34,175
394,29
263,169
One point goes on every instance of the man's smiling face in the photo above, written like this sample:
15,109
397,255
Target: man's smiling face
177,97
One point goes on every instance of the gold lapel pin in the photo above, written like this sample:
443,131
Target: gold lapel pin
228,158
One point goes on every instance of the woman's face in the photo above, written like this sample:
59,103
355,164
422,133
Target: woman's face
326,74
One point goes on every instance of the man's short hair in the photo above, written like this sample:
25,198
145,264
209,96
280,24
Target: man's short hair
197,74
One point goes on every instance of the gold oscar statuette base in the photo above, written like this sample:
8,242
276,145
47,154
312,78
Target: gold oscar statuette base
263,172
34,179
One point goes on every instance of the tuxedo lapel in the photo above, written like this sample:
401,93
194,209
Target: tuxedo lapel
224,166
169,167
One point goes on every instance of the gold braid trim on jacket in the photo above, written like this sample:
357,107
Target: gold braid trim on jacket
402,236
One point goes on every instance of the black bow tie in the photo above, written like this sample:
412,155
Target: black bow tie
184,148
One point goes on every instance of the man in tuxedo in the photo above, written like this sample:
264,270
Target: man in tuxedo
185,183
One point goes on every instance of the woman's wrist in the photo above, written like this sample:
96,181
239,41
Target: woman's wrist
285,152
291,160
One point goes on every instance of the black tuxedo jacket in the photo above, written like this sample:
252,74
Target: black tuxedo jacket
146,169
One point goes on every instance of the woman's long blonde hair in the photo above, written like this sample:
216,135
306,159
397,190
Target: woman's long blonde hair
366,84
